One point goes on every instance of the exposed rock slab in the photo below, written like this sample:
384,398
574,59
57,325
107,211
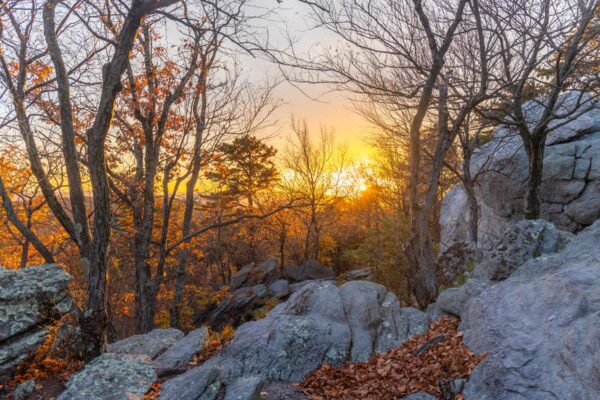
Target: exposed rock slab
112,377
201,383
454,262
150,344
540,327
183,350
30,299
310,270
280,289
238,308
320,323
570,189
264,273
363,274
525,240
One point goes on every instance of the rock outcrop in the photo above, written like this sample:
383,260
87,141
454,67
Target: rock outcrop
150,344
30,299
534,307
310,270
182,351
320,323
570,191
255,285
134,364
264,273
112,377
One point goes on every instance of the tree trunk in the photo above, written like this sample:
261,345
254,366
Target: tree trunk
282,240
535,155
144,293
94,319
469,186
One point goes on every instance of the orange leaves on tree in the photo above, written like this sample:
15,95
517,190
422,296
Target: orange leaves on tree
420,364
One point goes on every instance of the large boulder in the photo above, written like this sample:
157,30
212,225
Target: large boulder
363,274
249,289
320,323
570,191
182,351
150,344
539,326
525,240
279,289
454,262
310,270
238,308
31,299
112,377
252,274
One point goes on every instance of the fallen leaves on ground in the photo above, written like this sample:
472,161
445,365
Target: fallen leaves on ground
420,364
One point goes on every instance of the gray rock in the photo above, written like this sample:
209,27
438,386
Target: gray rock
112,377
264,273
294,287
570,189
30,299
525,240
584,210
419,396
320,323
247,388
454,220
150,344
282,391
364,301
183,350
236,309
434,312
279,289
454,300
23,391
453,262
540,327
310,270
363,274
200,383
294,339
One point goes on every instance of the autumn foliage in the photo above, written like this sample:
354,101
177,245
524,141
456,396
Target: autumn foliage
420,364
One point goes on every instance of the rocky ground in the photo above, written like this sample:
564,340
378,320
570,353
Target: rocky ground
570,190
532,304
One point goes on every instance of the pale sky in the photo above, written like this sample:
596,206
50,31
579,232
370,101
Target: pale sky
332,109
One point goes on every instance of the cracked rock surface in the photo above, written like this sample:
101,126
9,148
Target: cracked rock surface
533,305
570,190
320,323
30,298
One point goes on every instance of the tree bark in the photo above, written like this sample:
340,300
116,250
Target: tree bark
535,156
469,187
69,149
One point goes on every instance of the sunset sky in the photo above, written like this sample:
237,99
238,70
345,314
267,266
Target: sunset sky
332,109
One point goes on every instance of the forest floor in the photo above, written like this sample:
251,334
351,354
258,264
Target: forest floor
425,363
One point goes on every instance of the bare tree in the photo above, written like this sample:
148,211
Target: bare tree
313,175
23,51
542,43
400,59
